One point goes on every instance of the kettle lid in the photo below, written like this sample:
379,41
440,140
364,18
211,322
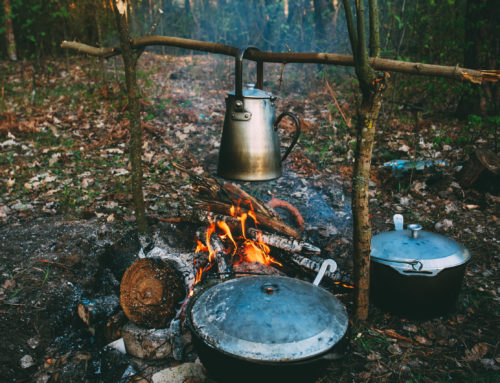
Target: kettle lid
252,92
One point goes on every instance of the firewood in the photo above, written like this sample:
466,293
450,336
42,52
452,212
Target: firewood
223,265
287,244
268,222
313,267
210,189
103,317
205,187
238,195
149,291
184,262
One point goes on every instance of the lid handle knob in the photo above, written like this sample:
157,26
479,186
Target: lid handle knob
414,228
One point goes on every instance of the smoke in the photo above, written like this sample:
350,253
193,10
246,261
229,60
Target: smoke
272,25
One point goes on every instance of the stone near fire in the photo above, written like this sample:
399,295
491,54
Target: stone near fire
27,361
146,343
187,372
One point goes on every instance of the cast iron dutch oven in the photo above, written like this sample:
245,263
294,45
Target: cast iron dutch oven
266,329
416,273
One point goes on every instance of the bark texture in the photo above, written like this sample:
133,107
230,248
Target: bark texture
371,90
9,31
135,145
362,233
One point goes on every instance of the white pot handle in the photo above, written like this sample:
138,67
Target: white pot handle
327,264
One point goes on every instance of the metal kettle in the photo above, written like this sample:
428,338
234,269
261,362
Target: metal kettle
250,148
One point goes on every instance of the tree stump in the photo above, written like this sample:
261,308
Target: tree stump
149,292
481,171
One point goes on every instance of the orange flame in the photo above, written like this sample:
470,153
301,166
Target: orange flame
248,250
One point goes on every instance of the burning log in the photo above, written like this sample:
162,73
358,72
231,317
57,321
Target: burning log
210,189
149,291
265,221
223,266
238,195
287,244
219,198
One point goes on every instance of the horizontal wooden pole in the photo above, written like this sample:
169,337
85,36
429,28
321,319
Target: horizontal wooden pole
386,65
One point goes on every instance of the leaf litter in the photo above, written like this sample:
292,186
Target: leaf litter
64,183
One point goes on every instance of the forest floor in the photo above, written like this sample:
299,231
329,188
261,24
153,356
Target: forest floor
65,204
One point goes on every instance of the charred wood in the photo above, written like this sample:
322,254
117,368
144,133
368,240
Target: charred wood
283,243
481,171
267,222
103,317
313,267
223,266
183,262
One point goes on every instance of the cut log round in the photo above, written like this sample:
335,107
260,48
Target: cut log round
149,292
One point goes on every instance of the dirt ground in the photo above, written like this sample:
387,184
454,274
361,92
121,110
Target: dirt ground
66,217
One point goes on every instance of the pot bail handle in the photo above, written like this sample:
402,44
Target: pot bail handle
327,264
238,72
297,131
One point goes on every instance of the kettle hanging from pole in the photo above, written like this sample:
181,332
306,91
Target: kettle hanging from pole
250,148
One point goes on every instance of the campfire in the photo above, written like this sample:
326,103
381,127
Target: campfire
236,237
228,249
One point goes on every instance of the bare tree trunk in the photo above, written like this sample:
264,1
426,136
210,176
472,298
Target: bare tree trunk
367,117
135,147
371,89
9,31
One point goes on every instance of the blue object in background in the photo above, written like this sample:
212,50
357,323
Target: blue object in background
399,167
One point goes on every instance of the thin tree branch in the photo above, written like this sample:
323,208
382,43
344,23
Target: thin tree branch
386,65
104,52
350,26
365,73
374,28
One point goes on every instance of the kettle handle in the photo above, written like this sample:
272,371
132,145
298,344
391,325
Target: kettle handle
297,131
238,72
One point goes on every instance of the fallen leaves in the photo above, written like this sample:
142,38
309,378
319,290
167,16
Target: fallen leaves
477,352
393,334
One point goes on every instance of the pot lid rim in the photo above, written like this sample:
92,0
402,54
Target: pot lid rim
434,252
267,352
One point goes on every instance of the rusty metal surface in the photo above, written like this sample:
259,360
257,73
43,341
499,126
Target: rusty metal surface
269,319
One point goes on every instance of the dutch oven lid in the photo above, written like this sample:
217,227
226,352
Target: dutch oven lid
269,319
252,92
418,251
